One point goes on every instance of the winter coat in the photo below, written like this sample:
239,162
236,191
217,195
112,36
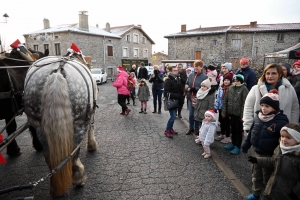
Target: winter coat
143,73
249,76
219,100
143,92
207,132
121,83
264,136
183,78
207,103
295,81
157,82
172,88
234,101
213,74
194,81
284,182
288,102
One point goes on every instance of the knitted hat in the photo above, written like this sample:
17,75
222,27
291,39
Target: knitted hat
245,61
227,65
296,63
211,67
211,113
271,99
288,67
228,76
295,134
239,77
121,68
207,82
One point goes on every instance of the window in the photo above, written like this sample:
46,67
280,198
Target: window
56,37
280,37
214,42
136,38
136,53
236,44
128,38
109,51
57,49
46,46
125,52
145,53
144,40
35,47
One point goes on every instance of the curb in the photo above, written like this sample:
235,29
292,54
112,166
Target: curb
239,186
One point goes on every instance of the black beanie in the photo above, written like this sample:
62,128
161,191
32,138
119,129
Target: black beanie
271,99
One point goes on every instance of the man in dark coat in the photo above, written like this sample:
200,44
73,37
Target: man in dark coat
182,77
142,72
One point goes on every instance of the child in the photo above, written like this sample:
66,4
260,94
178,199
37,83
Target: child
131,76
143,94
284,182
225,126
233,106
263,136
212,72
205,101
207,131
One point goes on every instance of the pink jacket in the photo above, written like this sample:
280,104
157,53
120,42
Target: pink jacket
121,83
213,74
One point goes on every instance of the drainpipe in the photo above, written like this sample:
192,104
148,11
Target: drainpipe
253,45
175,48
103,52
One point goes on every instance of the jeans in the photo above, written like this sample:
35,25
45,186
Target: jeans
122,100
172,118
157,96
194,125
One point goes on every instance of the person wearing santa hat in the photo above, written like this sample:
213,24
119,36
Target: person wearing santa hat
207,131
121,85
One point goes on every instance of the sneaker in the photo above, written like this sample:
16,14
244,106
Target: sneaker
226,140
207,156
122,113
235,151
229,146
203,154
141,111
127,111
220,137
251,197
174,132
168,134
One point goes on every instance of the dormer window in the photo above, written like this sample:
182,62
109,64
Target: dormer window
135,38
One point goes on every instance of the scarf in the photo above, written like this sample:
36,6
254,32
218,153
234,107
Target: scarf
269,87
296,73
224,88
201,94
291,149
266,117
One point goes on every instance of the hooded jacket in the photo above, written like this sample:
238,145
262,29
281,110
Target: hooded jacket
287,97
121,83
207,132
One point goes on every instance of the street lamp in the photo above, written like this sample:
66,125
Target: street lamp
5,17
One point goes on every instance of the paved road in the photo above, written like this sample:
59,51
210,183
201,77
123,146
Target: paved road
134,160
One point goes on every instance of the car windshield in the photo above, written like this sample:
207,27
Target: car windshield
96,71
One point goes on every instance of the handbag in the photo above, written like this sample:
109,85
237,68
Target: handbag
170,103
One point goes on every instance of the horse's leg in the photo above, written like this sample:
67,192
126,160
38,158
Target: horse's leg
79,176
91,141
35,141
13,150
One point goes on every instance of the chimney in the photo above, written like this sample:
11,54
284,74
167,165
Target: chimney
253,24
139,25
183,28
107,27
97,26
46,23
83,20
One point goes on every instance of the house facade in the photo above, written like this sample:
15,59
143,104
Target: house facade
230,43
105,45
158,57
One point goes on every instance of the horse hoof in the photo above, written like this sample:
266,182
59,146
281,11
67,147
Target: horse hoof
38,147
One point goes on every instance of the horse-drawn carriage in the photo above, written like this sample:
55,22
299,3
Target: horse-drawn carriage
58,96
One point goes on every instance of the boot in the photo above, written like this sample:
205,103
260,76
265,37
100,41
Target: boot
154,110
141,110
159,111
134,102
179,112
145,111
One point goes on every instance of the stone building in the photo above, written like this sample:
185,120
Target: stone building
158,57
230,43
109,47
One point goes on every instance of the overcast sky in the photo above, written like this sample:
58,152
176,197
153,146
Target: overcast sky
157,17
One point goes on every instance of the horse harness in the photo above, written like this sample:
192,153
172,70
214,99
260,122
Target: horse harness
62,61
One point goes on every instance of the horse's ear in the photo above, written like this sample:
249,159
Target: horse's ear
88,58
46,52
35,56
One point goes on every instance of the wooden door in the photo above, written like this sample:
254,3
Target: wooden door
198,55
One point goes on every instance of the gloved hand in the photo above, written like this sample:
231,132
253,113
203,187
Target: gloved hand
252,159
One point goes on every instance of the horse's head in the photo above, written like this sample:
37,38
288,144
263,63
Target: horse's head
40,54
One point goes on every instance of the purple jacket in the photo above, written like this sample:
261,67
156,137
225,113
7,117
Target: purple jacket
121,83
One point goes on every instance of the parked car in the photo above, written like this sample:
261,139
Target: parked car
150,70
100,75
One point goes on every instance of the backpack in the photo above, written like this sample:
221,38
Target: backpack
130,83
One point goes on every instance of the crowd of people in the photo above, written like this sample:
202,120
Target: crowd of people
265,111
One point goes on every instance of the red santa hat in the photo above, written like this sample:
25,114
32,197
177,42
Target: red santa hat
211,113
296,63
16,44
74,49
121,68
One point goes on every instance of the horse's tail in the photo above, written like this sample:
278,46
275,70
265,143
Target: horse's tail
57,122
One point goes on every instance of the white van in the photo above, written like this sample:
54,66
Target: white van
150,70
